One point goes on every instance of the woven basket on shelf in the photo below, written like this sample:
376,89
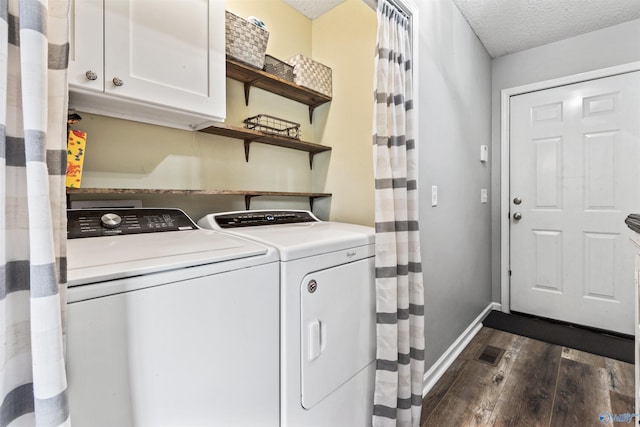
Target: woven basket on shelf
245,42
311,74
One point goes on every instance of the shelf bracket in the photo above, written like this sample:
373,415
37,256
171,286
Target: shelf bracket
311,198
311,160
247,201
247,91
247,147
311,108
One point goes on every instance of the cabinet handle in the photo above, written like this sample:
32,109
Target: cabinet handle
117,81
90,75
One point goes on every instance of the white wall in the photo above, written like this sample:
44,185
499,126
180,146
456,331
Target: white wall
455,104
604,48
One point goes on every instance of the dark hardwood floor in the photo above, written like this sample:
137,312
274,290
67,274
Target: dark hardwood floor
532,383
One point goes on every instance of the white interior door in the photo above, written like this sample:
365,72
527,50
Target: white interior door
575,160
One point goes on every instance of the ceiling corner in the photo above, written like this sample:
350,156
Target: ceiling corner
313,9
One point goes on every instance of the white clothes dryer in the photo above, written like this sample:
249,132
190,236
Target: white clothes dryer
169,324
327,322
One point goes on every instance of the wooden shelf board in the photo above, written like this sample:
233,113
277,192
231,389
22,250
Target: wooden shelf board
72,191
269,82
256,136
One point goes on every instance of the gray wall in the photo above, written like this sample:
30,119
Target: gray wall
454,104
604,48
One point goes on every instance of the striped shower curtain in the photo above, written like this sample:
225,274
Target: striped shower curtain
33,111
399,289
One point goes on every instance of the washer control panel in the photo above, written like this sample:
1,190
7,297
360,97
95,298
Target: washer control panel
115,222
257,218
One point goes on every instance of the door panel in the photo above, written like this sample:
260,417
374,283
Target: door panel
575,156
168,54
85,44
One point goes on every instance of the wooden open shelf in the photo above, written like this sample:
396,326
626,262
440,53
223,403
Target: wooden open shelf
248,195
250,135
252,77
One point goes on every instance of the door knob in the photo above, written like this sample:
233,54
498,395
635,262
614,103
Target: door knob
517,201
517,216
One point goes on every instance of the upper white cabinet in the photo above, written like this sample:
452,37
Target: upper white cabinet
155,61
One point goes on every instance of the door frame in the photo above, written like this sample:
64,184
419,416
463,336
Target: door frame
505,112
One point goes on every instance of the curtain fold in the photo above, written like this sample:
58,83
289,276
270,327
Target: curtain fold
34,52
399,287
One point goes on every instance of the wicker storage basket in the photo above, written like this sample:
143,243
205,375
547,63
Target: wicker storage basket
245,41
273,125
278,68
311,74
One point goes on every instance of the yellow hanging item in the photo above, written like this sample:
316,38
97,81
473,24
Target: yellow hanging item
75,157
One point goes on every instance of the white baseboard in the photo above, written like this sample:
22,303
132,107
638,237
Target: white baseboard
434,373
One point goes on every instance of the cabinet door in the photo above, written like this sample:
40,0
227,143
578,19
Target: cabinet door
167,52
85,44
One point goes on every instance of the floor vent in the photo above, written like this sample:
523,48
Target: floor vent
490,355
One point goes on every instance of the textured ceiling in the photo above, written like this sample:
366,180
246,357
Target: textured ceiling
508,26
313,8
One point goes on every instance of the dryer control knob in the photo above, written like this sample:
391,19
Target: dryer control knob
110,220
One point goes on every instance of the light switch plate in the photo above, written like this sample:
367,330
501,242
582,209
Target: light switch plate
434,195
483,195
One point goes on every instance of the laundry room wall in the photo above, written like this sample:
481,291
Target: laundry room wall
616,45
345,39
454,102
127,154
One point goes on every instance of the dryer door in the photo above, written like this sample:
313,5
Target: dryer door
338,327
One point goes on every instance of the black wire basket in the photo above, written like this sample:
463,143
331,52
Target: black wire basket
273,125
278,68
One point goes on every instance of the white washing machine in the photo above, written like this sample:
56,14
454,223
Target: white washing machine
327,313
169,324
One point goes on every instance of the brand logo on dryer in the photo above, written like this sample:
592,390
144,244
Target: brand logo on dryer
351,254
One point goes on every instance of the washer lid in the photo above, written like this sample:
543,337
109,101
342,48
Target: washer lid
95,259
304,239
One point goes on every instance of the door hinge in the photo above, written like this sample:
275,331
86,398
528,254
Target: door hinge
509,273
